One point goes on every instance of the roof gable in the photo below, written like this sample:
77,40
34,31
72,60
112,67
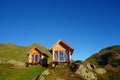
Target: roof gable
64,45
36,50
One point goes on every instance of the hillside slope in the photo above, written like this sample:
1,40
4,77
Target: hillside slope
13,52
109,59
7,72
107,56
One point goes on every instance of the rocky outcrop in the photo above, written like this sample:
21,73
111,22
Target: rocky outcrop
100,71
42,76
89,71
13,62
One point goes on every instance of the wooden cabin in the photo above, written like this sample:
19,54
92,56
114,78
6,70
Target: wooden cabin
36,56
61,52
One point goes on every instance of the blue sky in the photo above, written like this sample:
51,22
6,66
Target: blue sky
86,25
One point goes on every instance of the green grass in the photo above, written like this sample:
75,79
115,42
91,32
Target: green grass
13,59
11,51
27,73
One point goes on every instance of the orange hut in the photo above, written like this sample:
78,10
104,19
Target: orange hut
36,56
61,52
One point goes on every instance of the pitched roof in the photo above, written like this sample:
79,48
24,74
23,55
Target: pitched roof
61,42
37,49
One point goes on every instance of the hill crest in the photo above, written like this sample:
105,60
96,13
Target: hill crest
10,51
106,56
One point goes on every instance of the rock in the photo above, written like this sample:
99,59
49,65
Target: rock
60,79
53,65
16,63
100,71
90,66
46,72
42,76
89,71
86,71
61,67
75,65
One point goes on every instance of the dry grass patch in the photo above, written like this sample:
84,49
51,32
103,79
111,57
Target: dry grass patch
62,72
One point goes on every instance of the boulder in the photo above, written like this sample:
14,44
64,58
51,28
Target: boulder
42,76
89,71
100,70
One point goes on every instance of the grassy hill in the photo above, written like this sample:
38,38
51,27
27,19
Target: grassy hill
13,56
7,72
13,59
107,56
109,59
13,53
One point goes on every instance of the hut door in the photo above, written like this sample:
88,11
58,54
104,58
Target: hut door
36,58
44,62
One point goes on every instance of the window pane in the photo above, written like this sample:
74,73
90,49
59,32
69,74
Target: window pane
61,56
36,57
66,55
56,56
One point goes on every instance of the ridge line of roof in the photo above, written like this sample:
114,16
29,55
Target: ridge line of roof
63,42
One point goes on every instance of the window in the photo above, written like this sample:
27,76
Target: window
66,55
61,56
36,57
56,55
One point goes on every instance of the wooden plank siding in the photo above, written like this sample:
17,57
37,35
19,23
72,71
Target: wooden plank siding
36,56
61,52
